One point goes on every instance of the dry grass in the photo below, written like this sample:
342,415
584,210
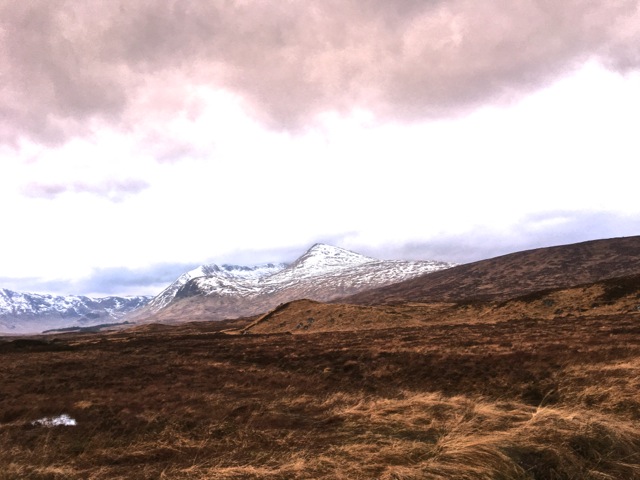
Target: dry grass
519,399
611,297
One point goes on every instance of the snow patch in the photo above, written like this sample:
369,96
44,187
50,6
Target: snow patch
61,420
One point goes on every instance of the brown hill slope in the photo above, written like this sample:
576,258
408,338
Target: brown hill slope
516,274
620,296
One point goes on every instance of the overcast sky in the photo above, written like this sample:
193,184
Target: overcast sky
139,139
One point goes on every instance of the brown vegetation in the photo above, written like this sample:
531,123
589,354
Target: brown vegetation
516,399
516,274
610,297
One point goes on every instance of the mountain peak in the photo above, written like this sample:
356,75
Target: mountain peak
322,257
331,250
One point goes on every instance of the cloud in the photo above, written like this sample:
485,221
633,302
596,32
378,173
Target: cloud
70,68
115,280
165,149
112,189
536,230
105,281
55,80
539,230
149,280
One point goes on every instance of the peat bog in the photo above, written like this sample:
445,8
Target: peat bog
512,399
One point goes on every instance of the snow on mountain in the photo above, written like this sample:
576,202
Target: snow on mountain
224,276
321,259
323,273
25,313
319,268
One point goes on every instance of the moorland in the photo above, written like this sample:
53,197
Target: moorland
540,382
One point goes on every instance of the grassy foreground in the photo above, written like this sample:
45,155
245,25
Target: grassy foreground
520,399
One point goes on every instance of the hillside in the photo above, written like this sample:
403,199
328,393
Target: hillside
516,274
609,297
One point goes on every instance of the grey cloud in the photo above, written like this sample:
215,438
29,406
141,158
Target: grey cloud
112,189
105,281
121,279
28,285
67,64
539,230
111,281
55,80
138,281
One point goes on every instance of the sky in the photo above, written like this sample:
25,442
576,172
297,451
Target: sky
139,139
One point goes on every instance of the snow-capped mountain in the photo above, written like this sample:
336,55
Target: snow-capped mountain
224,275
23,313
321,259
323,273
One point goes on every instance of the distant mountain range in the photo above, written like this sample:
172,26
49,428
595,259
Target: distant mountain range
583,280
213,292
34,313
323,273
330,274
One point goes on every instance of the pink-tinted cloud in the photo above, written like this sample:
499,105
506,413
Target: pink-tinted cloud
65,65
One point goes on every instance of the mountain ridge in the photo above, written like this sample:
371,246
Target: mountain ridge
222,272
322,273
23,313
